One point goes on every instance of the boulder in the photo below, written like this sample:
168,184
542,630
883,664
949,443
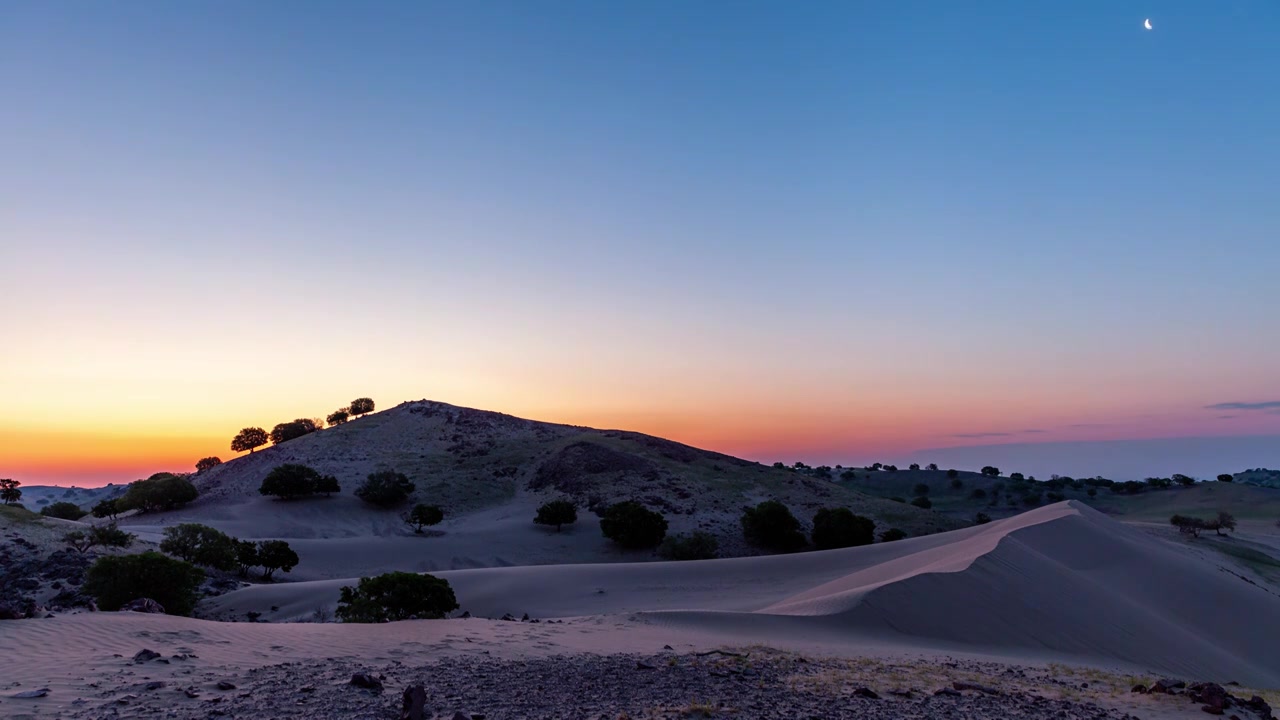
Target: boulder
415,703
145,655
143,605
366,681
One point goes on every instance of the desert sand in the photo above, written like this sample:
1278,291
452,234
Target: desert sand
1061,584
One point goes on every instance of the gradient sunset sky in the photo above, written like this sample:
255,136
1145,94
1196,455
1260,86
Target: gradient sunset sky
830,231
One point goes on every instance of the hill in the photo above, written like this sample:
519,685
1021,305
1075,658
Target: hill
1259,476
489,472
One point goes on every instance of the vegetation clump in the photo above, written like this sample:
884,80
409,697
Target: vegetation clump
162,491
633,526
694,546
396,596
274,555
200,544
208,463
423,515
385,488
291,480
63,511
9,492
284,432
770,525
558,513
840,528
360,406
892,534
922,502
108,508
104,535
248,439
114,581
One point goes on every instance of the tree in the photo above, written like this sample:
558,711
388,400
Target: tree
1225,521
162,491
1016,476
200,544
1226,477
914,466
246,556
1184,480
328,484
953,474
557,512
423,515
114,581
9,491
290,481
991,471
876,466
922,502
284,432
108,508
338,417
64,511
385,488
361,406
105,535
396,596
1188,525
248,439
892,534
771,525
921,489
891,468
956,483
694,546
206,463
275,555
933,466
633,526
840,528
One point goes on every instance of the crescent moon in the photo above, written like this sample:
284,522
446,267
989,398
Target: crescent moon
1147,23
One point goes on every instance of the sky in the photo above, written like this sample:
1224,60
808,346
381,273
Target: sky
829,231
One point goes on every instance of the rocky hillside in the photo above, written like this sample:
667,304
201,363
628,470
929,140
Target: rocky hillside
468,460
1261,477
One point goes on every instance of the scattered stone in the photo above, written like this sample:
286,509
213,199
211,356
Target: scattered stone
415,703
143,605
640,665
1140,688
948,692
224,685
366,681
25,694
868,693
466,614
153,685
191,693
145,655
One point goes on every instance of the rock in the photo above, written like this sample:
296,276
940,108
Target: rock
153,685
466,614
191,693
1214,698
9,613
508,617
948,692
415,703
525,618
143,605
145,655
1140,689
1167,686
25,694
366,681
460,716
1258,705
644,666
868,693
224,685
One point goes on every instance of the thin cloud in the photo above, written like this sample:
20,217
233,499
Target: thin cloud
981,435
1033,430
1090,425
1225,417
1272,405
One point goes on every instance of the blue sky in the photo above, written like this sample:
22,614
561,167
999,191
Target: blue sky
862,225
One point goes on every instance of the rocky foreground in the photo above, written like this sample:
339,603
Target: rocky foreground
756,683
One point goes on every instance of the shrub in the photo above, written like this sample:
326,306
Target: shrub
1184,480
891,468
920,490
892,534
275,555
385,488
105,535
396,596
694,546
913,466
933,466
206,463
840,528
9,491
162,491
978,494
248,439
1225,521
291,481
1032,498
1226,477
1054,496
558,513
63,510
200,544
952,474
1092,492
1188,525
361,406
1017,476
770,525
633,526
338,417
114,581
956,484
991,471
922,502
284,432
981,519
246,556
106,509
423,515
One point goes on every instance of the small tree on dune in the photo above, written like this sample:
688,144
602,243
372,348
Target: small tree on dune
105,535
694,546
9,492
633,526
922,502
275,555
991,471
914,466
246,556
558,513
953,473
840,528
290,481
63,511
1226,477
1226,521
338,417
206,463
361,406
771,525
108,508
200,544
396,596
248,439
328,485
284,432
423,515
385,488
114,581
921,489
892,534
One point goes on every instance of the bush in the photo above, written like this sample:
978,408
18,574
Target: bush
1032,498
932,466
275,555
361,406
248,439
423,515
385,488
556,512
956,484
913,466
952,474
246,556
978,494
114,581
63,510
291,481
1225,521
633,526
396,596
892,534
840,528
105,535
770,525
920,490
1184,480
162,491
1017,476
206,463
694,546
200,544
106,509
922,502
981,519
1188,525
1092,492
1226,477
9,491
1054,496
284,432
991,471
338,417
